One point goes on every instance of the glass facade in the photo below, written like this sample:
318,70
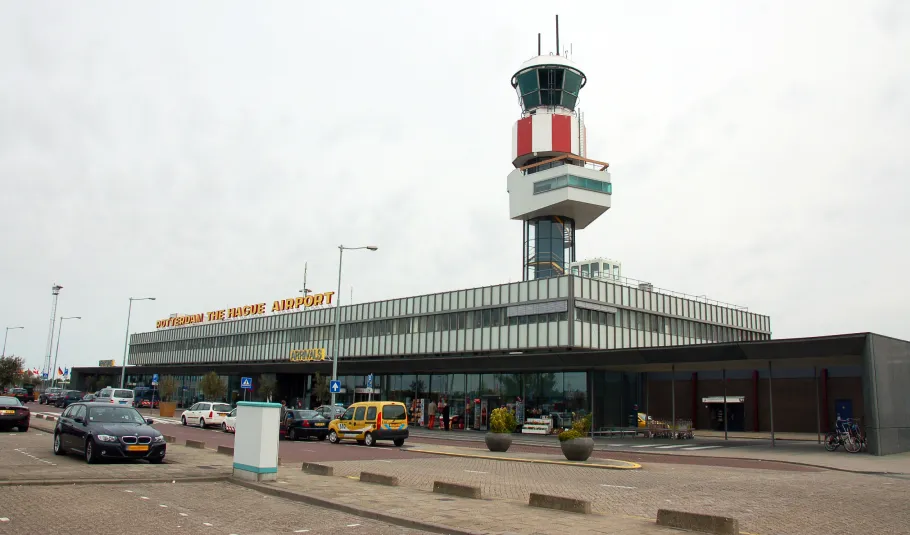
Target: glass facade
549,246
548,85
573,181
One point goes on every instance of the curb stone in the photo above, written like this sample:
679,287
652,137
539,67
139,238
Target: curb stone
358,511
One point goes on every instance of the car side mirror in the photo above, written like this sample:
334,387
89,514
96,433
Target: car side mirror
149,421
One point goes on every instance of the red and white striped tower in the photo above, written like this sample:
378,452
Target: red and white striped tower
554,189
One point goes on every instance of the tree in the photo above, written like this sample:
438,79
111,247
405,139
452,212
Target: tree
267,386
321,388
30,378
212,387
10,370
168,387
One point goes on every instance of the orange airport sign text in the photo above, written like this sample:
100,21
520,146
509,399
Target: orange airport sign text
281,305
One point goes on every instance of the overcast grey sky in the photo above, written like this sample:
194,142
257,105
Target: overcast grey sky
201,152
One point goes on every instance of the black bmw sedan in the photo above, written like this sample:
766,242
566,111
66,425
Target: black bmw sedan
14,414
304,424
104,431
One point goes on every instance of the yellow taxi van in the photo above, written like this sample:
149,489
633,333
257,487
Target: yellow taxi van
369,421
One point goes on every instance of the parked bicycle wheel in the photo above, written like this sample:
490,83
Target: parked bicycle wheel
853,445
832,441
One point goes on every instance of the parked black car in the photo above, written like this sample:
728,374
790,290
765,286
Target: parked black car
105,431
49,395
304,424
21,394
14,414
67,398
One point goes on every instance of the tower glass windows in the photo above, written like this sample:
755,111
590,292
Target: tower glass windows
549,246
548,85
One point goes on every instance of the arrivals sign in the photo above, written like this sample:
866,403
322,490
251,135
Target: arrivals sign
106,363
312,354
258,309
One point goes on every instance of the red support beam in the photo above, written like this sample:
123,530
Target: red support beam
694,400
755,400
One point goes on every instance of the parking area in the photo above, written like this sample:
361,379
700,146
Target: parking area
162,508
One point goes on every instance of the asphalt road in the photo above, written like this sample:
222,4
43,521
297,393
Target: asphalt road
308,450
312,450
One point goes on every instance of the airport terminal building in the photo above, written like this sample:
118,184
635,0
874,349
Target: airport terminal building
570,338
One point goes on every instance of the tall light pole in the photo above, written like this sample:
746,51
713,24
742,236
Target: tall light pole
305,290
55,290
126,343
335,347
57,351
8,329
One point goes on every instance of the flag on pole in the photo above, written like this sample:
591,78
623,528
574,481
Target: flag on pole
59,371
66,372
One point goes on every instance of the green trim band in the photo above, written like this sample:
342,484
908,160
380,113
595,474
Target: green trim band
258,404
256,469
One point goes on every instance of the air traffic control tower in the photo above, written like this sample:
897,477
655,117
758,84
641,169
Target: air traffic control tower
555,189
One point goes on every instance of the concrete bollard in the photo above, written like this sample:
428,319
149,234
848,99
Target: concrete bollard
195,444
227,450
170,440
571,505
380,479
318,469
456,489
718,525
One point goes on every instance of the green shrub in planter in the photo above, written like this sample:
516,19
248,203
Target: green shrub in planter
502,421
579,429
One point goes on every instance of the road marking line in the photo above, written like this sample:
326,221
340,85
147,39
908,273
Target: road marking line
703,448
4,519
381,461
301,531
162,505
476,472
143,498
206,524
617,487
616,445
352,525
183,514
671,446
643,446
128,491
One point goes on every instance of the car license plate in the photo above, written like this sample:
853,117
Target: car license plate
123,403
222,414
137,448
320,425
7,412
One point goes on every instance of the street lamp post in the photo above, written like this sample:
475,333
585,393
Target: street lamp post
8,329
335,348
126,343
53,373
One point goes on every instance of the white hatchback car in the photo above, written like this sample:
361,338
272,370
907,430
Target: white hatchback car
206,413
229,425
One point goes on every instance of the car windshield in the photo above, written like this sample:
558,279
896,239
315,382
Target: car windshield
307,415
6,400
128,394
18,390
221,407
115,415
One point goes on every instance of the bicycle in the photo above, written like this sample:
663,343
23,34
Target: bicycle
848,434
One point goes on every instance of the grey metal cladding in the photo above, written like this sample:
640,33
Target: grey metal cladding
590,305
545,307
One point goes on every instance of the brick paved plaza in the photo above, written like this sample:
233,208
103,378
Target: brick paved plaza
785,499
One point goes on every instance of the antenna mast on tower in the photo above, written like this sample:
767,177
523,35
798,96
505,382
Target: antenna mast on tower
55,290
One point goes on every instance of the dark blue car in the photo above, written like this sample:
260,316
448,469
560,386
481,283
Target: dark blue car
105,431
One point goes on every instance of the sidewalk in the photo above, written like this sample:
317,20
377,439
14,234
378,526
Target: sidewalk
484,516
788,451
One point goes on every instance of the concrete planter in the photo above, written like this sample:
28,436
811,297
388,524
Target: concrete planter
577,449
498,441
167,408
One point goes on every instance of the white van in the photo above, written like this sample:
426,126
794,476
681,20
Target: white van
118,396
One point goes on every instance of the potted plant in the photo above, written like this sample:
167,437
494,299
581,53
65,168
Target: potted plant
502,424
575,444
167,389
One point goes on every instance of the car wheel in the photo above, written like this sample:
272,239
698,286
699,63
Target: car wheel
58,445
202,423
90,456
369,440
333,437
292,434
399,442
183,420
223,427
22,428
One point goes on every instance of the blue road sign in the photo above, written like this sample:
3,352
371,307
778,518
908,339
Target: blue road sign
334,387
246,383
154,379
370,381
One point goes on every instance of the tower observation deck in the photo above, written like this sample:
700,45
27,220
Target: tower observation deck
554,189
